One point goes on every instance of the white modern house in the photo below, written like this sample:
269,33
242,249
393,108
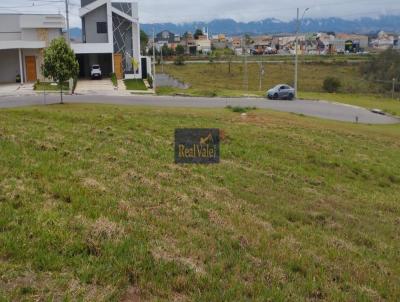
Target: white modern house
22,41
111,38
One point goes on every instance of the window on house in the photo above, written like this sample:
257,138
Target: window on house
101,27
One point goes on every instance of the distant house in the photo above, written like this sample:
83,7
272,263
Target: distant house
189,43
384,40
236,42
350,42
167,38
203,44
219,41
260,44
286,43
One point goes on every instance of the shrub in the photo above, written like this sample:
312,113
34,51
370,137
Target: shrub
239,109
180,50
180,60
383,68
150,79
331,84
114,79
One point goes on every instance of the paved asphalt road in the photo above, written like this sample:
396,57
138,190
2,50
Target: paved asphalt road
321,109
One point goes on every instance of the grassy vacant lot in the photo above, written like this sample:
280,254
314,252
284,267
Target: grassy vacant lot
135,85
215,79
389,105
92,208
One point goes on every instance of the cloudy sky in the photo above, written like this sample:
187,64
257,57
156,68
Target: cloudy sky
178,11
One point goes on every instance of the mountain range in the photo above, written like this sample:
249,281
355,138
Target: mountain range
389,23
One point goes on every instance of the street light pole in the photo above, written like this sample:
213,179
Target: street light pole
296,60
296,67
154,60
67,17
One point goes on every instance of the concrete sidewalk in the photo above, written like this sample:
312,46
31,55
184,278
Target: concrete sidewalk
106,87
16,89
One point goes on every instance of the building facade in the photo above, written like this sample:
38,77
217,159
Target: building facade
110,38
167,38
23,38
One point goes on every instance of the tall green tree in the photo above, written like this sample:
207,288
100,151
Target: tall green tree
144,40
60,63
180,50
198,33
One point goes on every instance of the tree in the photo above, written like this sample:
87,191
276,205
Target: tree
144,40
166,51
60,63
198,33
180,50
247,40
383,68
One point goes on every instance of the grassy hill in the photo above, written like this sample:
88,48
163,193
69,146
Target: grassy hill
92,208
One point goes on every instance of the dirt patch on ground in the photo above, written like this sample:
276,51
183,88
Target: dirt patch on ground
170,253
93,184
100,231
132,295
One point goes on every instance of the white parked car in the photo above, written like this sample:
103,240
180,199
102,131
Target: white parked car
95,72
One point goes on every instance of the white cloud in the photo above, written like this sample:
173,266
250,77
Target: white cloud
178,11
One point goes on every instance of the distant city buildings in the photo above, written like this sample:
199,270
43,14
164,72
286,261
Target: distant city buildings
385,40
321,43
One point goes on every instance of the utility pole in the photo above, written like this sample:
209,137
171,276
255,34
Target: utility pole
393,87
296,64
162,60
154,60
67,17
261,74
296,67
245,77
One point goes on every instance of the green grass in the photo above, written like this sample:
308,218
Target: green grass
46,86
216,79
239,109
389,105
92,207
135,85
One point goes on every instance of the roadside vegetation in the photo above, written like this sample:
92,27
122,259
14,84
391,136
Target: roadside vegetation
114,79
369,101
135,84
48,86
92,207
